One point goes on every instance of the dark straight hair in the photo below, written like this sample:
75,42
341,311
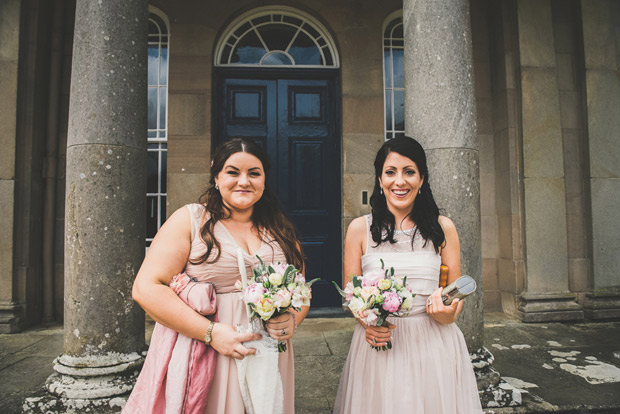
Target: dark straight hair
424,212
267,215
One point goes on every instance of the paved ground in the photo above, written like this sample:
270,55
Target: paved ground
561,367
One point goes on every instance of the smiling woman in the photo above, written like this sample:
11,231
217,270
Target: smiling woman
241,184
237,211
428,369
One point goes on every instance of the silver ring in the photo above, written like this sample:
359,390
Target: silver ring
374,341
429,302
283,332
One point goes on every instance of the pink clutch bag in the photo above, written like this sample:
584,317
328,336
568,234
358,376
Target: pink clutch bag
200,296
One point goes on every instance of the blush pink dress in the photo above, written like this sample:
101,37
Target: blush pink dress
428,370
225,395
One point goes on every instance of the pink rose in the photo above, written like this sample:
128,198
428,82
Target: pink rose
279,267
282,298
372,278
368,316
254,292
391,301
368,291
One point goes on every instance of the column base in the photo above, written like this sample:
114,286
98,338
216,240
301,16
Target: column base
558,307
602,304
50,404
93,384
494,392
11,319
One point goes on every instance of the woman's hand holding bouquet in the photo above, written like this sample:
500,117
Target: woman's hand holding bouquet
375,296
270,294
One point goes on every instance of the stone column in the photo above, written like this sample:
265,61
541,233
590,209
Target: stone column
547,296
440,112
10,309
602,61
105,207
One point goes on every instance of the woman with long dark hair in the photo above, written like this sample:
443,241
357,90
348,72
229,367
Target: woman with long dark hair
238,210
428,369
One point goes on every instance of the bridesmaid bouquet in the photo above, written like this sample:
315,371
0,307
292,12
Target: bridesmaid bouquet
376,295
273,289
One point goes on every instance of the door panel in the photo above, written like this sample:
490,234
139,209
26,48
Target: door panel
296,122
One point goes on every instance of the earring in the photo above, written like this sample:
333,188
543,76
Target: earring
216,187
380,190
420,191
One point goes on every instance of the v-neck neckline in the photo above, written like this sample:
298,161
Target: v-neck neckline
262,241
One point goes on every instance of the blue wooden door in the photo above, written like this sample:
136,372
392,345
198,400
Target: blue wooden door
297,122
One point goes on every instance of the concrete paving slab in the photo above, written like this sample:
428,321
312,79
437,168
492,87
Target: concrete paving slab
564,367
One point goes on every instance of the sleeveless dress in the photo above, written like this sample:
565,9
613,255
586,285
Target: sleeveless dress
428,369
225,395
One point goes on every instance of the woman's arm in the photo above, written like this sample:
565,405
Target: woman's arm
451,257
165,258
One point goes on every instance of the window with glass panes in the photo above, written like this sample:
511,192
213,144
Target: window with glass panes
157,132
275,38
394,77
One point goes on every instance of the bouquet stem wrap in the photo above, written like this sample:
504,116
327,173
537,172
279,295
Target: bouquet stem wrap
259,375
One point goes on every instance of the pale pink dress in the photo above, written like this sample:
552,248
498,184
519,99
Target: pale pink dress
225,394
428,370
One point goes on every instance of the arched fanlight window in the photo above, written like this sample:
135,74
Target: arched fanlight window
157,129
394,75
275,37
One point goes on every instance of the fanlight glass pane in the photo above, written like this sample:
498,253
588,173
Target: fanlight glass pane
276,39
305,51
277,36
248,50
276,58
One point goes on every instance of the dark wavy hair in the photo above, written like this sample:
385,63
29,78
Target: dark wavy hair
424,213
267,215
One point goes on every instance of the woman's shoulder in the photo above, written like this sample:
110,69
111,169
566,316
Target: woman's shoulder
445,223
358,224
357,229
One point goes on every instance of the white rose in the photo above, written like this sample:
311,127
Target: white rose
357,304
275,279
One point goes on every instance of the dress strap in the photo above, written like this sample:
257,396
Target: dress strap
368,218
196,212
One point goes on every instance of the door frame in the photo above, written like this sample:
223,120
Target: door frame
332,75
